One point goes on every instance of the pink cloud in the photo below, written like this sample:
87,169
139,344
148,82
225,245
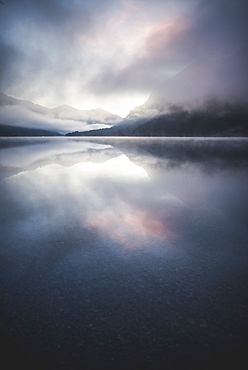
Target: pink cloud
164,35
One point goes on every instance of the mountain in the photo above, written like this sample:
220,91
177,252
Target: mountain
22,113
6,100
90,116
225,79
206,98
212,119
8,131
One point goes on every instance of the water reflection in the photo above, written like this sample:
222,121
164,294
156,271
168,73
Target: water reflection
113,198
134,199
126,237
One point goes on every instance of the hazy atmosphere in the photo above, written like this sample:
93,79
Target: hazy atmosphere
111,54
123,184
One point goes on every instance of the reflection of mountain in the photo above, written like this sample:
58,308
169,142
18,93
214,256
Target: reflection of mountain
207,98
212,154
126,222
32,153
128,190
14,112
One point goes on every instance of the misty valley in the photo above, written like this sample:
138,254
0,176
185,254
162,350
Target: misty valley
124,253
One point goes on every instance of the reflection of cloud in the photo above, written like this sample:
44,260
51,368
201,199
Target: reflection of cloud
48,151
120,168
132,227
109,197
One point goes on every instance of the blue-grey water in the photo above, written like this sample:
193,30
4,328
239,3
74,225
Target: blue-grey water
123,253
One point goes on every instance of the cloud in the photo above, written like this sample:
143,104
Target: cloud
15,115
208,30
88,53
45,35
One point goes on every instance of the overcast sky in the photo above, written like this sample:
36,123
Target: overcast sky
110,53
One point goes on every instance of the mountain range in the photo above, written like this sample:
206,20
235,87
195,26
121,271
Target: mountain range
25,114
213,119
206,98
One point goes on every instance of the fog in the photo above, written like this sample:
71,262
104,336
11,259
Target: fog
113,54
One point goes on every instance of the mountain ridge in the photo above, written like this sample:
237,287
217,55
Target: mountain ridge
9,100
22,113
193,95
15,131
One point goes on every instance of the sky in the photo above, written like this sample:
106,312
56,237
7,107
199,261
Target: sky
110,53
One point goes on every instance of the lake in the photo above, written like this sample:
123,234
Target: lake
124,253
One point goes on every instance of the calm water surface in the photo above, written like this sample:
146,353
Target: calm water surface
124,253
